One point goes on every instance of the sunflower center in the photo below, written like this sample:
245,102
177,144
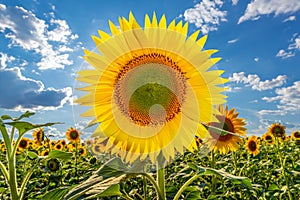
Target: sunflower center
224,124
150,94
23,143
297,135
74,135
252,145
278,131
269,138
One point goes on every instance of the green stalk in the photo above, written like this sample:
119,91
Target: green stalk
25,181
234,162
6,139
4,171
145,187
283,171
11,158
154,183
161,182
12,134
160,167
13,177
213,185
179,192
76,161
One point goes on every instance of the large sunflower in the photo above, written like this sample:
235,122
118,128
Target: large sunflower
228,121
252,145
277,130
150,88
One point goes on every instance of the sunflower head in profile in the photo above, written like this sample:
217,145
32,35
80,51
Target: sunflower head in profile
73,135
296,135
39,135
252,145
269,138
150,88
53,164
228,121
277,130
24,143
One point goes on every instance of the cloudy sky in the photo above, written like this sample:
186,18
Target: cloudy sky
259,41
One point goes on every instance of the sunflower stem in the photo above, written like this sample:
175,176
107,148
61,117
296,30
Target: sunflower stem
152,180
234,161
161,180
76,160
213,185
145,187
12,134
283,169
179,192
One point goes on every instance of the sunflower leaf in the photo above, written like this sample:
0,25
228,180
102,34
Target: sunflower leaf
103,182
239,180
23,127
32,155
57,193
5,117
60,155
27,114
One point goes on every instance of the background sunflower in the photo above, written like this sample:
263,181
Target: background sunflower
228,121
252,145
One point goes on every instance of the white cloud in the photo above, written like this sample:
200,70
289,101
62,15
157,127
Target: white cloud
290,18
206,15
295,44
256,59
26,30
232,41
283,54
290,52
2,6
265,7
4,59
288,98
272,112
255,83
235,2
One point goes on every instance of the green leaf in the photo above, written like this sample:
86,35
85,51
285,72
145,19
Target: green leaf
235,179
32,155
273,187
192,166
56,194
27,114
113,168
23,127
113,190
103,180
5,117
60,155
193,195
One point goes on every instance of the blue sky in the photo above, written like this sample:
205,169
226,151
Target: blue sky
259,42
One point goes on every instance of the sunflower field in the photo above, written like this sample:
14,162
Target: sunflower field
265,167
163,130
